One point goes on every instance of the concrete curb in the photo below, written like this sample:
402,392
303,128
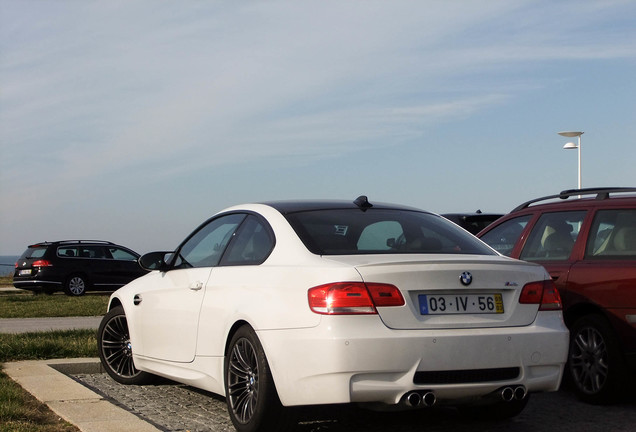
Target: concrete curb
90,412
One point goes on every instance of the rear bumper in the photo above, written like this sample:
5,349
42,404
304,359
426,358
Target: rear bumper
358,359
32,284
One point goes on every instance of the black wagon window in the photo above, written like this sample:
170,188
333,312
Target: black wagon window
205,247
120,254
67,251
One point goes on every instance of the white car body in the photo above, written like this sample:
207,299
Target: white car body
181,321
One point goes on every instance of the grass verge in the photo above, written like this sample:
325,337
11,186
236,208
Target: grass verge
28,305
19,411
47,345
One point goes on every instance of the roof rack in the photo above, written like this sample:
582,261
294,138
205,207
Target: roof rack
601,194
86,241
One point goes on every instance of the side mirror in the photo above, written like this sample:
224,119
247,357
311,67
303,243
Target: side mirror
155,261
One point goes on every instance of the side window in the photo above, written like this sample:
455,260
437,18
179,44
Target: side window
92,252
67,252
504,237
205,247
120,254
377,236
553,236
613,235
251,245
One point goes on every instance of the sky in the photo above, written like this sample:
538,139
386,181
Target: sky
135,121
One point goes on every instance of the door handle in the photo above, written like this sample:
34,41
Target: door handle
196,286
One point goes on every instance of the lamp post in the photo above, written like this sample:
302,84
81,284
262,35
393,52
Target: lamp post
571,145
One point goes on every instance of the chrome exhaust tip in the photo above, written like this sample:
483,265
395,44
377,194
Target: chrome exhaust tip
520,393
429,399
413,399
507,394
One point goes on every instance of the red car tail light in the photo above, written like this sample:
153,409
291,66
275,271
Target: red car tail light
42,263
351,298
543,293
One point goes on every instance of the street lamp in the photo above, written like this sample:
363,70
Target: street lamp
571,145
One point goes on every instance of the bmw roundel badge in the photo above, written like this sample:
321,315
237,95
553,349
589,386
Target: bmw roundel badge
466,278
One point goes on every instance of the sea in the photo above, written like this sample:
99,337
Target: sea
7,264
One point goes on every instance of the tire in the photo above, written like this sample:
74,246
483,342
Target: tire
252,400
595,366
498,411
115,349
75,285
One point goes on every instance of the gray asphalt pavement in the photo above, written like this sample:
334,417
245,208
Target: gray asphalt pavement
24,325
176,407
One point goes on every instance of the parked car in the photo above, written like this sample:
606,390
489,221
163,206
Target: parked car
294,303
588,245
76,266
473,222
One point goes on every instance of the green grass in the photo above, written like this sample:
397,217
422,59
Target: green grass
19,411
48,345
28,305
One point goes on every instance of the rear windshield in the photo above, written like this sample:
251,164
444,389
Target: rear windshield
379,231
34,252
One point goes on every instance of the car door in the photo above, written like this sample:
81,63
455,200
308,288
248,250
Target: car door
93,262
123,264
606,277
551,243
167,313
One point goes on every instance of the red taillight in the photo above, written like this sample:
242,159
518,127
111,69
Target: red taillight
348,298
42,263
543,293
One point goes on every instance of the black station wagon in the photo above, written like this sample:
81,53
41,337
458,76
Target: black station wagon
76,266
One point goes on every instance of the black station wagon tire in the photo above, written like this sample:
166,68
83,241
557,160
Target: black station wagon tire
596,369
252,400
75,285
115,349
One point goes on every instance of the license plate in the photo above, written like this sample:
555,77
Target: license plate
24,272
461,304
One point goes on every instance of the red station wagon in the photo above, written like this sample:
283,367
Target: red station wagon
588,245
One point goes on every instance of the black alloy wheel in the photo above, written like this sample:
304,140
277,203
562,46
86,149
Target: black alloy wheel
115,349
595,365
252,400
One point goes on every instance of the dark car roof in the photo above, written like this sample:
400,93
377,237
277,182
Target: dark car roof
361,203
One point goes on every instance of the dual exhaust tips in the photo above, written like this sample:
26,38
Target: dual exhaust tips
417,399
426,399
508,394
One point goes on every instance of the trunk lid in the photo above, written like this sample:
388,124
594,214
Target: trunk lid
436,298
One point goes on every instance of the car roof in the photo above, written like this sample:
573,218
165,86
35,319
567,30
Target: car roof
74,242
362,203
600,194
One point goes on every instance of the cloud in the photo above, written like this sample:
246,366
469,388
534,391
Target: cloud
143,91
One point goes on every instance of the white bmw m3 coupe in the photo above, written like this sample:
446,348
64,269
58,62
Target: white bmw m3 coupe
293,303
